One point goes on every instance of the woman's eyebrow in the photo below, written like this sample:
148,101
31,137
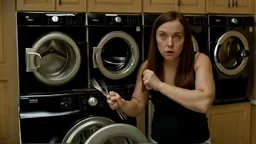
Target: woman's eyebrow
178,32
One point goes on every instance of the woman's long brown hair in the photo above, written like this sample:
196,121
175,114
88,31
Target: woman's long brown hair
184,76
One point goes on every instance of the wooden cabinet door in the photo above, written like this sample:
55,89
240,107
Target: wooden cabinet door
71,5
218,6
192,6
243,6
117,6
9,129
253,125
230,6
160,6
230,124
4,118
36,5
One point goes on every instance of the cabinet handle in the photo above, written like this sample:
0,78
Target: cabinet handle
233,4
228,3
178,2
59,2
236,3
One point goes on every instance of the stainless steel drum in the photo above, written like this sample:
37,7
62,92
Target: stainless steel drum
231,53
54,59
116,63
101,130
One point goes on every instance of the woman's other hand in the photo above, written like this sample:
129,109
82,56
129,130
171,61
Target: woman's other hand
114,100
150,80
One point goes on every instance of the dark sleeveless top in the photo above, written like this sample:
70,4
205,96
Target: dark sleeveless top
174,124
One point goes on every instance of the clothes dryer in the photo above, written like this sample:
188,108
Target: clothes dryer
115,45
73,117
198,24
51,52
231,42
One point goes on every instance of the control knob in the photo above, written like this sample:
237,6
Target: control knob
92,101
55,18
234,20
118,19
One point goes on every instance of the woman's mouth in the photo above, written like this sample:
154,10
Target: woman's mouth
169,52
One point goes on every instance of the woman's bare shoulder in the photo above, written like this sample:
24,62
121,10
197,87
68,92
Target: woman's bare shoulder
201,59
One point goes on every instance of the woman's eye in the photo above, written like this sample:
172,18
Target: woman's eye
177,36
162,35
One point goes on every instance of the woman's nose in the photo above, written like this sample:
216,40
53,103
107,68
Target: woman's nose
169,42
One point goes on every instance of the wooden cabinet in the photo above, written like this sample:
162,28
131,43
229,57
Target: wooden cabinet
52,5
184,6
230,6
39,5
253,125
9,129
230,124
192,6
71,5
4,119
120,6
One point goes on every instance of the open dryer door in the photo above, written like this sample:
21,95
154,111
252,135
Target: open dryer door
116,130
83,130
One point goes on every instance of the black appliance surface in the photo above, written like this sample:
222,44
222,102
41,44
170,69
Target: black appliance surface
230,49
48,118
31,27
198,24
121,54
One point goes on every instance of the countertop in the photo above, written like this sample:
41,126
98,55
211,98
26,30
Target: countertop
253,102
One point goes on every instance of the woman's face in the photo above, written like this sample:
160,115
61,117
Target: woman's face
170,39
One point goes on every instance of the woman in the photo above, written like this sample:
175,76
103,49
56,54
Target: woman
179,81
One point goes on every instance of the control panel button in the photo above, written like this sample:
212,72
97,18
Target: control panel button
92,101
55,18
118,19
234,20
66,103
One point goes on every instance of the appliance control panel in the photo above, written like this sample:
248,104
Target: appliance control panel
92,100
70,101
43,18
49,102
196,20
96,100
114,19
124,20
66,19
149,19
231,20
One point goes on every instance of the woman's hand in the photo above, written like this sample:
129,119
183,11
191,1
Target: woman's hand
114,100
150,80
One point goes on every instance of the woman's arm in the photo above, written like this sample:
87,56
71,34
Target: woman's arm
136,105
202,97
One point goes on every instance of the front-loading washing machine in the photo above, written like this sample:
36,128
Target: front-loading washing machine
73,117
51,52
231,42
115,44
198,25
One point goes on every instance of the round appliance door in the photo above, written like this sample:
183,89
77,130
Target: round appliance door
83,130
231,53
117,130
117,55
54,59
195,44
